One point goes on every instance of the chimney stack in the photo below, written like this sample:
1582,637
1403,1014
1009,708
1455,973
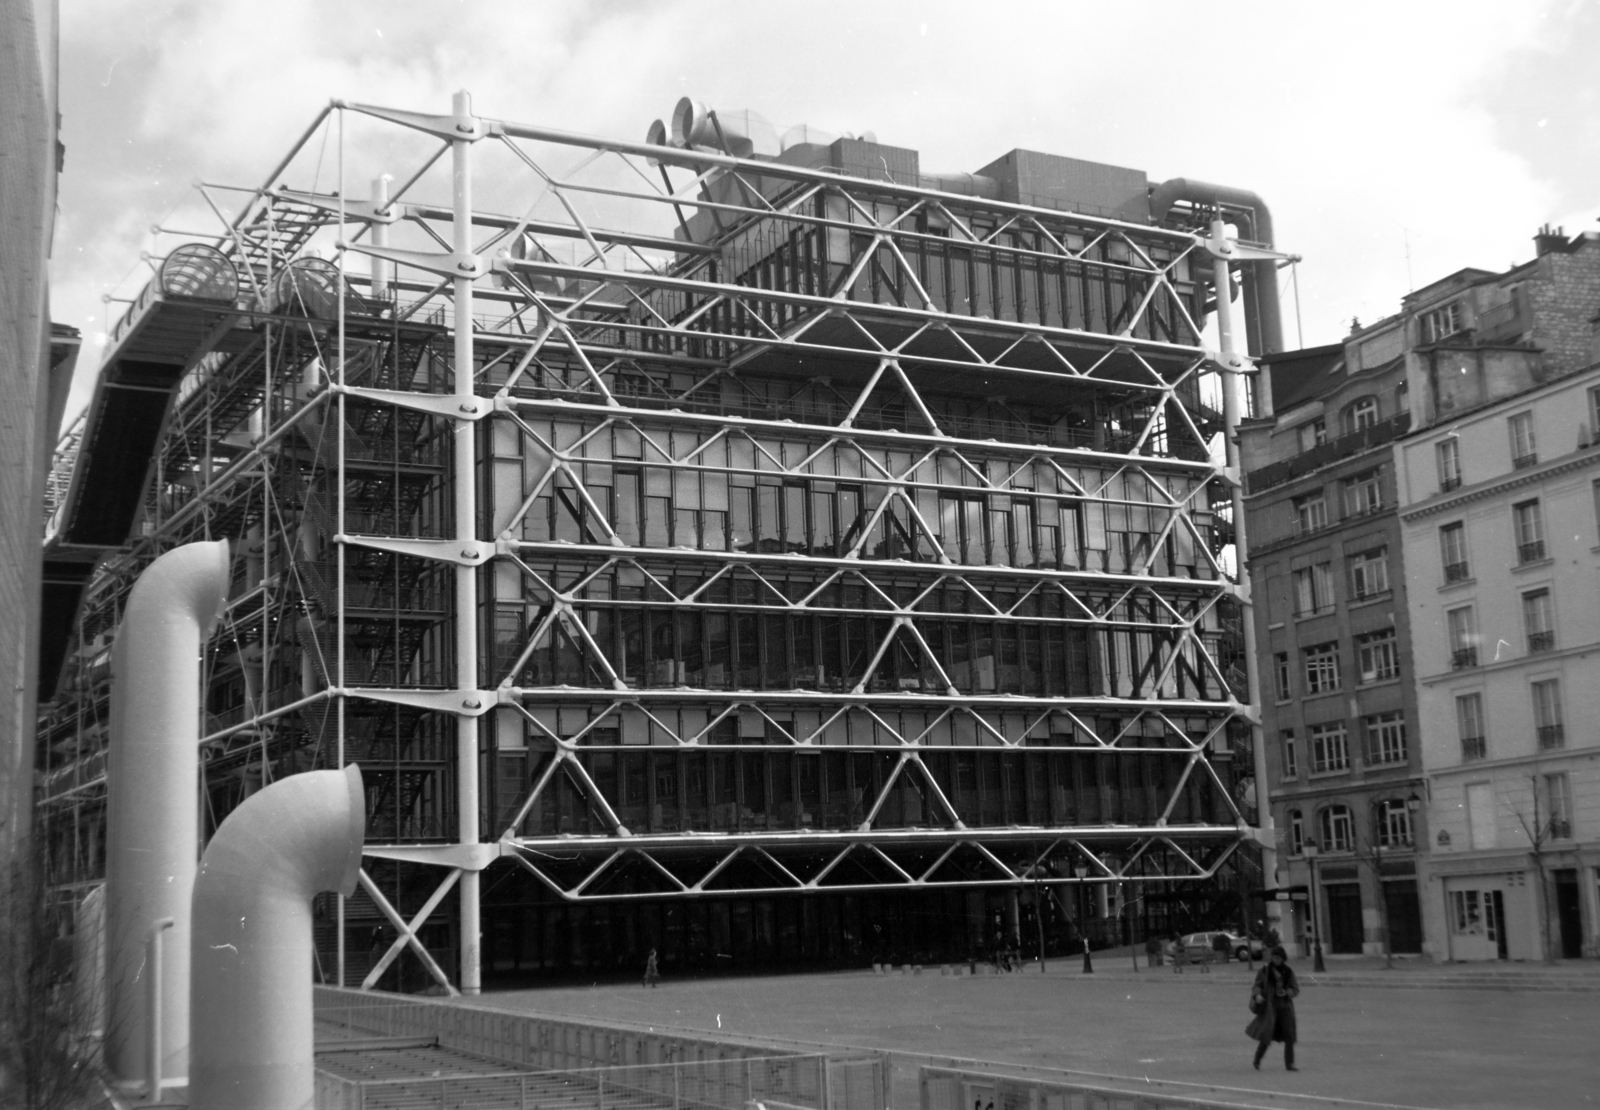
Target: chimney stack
1548,240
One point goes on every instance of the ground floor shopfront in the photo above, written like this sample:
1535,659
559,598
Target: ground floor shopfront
531,935
1360,907
1490,907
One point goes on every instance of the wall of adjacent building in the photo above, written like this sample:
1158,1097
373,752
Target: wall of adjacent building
1491,850
27,206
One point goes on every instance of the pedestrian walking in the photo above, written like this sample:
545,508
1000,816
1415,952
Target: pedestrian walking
1152,950
652,974
1272,1001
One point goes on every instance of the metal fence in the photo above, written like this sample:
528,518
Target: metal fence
945,1089
798,1081
666,1069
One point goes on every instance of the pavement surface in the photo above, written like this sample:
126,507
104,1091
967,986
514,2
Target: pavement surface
1412,1038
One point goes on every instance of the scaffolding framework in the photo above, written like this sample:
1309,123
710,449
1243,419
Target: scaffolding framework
813,533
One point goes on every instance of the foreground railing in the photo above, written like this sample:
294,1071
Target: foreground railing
945,1089
673,1069
798,1081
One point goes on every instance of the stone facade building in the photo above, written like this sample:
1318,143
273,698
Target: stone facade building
1499,528
1335,647
1417,687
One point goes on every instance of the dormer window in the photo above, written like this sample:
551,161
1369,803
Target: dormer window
1443,322
1360,413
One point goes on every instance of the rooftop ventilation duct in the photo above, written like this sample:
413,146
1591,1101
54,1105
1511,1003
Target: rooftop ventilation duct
153,790
966,184
1263,314
736,131
251,950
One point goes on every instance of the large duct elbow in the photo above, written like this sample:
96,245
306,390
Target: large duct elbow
1263,313
736,131
251,950
153,789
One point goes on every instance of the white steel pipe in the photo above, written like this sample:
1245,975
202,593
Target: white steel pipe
466,514
251,950
153,785
1231,384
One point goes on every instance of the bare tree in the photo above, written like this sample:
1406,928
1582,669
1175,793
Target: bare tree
1540,829
43,1065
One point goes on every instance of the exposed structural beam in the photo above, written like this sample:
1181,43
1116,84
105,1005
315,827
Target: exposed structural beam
465,514
880,520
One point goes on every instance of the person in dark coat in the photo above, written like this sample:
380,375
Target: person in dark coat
1275,988
652,976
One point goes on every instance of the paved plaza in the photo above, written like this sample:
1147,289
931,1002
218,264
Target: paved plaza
1433,1045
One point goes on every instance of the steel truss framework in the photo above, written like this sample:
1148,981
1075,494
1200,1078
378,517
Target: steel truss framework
817,534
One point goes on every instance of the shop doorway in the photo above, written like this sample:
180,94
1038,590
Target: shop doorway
1345,931
1569,917
1497,923
1404,913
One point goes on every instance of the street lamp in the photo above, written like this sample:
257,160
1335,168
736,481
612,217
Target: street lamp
1082,871
1038,910
1311,849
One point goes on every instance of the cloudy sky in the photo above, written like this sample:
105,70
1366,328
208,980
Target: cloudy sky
1395,141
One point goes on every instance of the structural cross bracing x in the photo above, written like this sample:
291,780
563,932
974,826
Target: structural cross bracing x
960,465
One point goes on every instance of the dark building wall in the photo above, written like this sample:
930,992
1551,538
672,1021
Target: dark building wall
1355,529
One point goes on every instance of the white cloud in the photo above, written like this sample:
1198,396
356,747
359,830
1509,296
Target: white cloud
1361,124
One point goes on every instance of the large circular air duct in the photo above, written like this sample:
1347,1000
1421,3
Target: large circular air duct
153,790
251,951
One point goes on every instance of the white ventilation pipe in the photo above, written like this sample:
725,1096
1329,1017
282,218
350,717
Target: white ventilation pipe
736,131
251,950
153,790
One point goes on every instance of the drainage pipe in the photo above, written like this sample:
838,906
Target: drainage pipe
251,949
1263,312
153,789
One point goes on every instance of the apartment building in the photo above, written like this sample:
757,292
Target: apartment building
1423,525
1499,514
1334,645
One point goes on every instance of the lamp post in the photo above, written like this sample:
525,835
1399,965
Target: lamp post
1082,871
1311,850
1038,911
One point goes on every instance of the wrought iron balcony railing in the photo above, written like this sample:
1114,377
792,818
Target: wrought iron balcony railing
1463,657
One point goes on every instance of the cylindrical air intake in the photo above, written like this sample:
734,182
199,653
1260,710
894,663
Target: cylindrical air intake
251,950
153,789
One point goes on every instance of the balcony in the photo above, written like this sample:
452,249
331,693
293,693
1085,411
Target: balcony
1448,484
1541,641
1474,747
1276,474
1560,828
1463,657
1455,572
1522,462
1530,552
1551,736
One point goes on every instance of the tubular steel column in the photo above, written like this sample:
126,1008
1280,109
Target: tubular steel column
1232,365
466,515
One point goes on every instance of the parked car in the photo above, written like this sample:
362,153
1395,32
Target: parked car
1204,945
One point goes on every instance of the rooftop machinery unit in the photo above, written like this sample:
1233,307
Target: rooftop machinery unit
791,532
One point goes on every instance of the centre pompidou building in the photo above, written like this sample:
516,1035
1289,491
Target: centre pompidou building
746,546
